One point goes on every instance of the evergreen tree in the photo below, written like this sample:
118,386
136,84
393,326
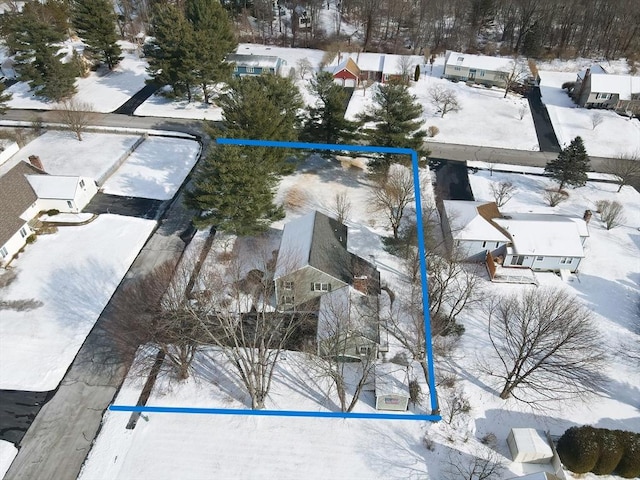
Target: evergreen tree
213,40
234,193
171,54
397,116
264,107
37,61
571,166
532,43
95,23
326,122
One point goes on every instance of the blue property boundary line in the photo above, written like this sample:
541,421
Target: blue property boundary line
425,298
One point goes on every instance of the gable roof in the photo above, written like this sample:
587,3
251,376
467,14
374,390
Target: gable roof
348,313
256,61
593,69
54,187
471,220
391,379
623,85
393,63
16,195
543,234
349,65
482,62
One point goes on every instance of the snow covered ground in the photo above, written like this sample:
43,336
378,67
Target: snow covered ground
615,135
104,90
485,118
170,445
73,273
156,169
7,453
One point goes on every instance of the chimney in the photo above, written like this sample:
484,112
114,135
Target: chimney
35,161
587,216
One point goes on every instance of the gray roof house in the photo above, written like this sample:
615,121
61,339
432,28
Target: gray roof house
595,88
313,259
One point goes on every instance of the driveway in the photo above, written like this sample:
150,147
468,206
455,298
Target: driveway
127,206
544,128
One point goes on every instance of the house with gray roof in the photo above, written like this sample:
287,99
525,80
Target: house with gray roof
595,88
313,260
26,190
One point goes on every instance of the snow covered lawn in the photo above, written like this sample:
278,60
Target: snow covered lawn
62,154
156,169
73,273
7,453
616,135
485,118
104,90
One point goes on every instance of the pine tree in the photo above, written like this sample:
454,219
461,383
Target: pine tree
397,116
571,166
532,42
95,23
264,107
234,193
326,122
213,41
4,98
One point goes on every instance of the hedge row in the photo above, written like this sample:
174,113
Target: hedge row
601,451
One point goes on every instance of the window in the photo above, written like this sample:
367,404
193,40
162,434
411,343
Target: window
81,183
566,260
364,350
320,287
69,204
482,72
539,259
484,244
460,59
497,244
249,69
287,300
4,252
23,232
603,96
457,69
287,285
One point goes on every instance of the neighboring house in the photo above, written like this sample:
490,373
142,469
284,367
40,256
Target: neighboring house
26,190
346,73
255,64
375,67
348,325
538,476
313,259
595,88
391,387
541,242
468,226
481,69
528,445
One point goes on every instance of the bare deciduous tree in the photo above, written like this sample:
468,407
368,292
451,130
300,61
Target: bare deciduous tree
610,213
453,403
514,73
484,464
502,192
596,119
546,346
406,67
626,169
553,197
304,67
76,115
342,206
444,99
392,193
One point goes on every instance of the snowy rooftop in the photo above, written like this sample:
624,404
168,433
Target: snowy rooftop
483,62
347,311
542,234
54,186
530,440
391,379
368,62
393,64
595,68
251,60
624,85
467,223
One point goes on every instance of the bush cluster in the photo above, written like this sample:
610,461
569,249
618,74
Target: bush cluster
601,451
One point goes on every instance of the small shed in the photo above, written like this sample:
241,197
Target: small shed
528,445
392,387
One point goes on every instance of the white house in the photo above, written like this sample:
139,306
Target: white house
541,242
482,69
26,190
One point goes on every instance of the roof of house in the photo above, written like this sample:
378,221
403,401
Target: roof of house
367,62
623,85
391,379
542,234
346,311
595,68
54,187
349,65
538,476
16,195
250,60
530,440
470,220
482,62
393,64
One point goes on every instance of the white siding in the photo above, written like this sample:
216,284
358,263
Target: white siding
15,243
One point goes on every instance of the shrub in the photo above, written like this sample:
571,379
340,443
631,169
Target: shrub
611,451
553,197
578,449
432,131
629,465
31,238
296,198
610,213
53,211
415,392
568,86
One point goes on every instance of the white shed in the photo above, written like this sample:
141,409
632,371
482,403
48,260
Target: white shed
392,387
528,445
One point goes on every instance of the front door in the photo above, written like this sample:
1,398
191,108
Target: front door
472,74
